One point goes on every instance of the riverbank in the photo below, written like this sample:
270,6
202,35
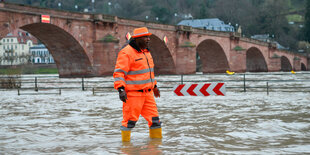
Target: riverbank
29,69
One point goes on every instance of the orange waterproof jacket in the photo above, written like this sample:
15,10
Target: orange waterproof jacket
134,69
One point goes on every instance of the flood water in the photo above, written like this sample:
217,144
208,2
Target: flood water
78,122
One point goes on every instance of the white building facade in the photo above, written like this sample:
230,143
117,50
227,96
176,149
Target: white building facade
41,55
14,48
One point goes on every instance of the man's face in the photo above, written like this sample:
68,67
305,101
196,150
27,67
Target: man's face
143,42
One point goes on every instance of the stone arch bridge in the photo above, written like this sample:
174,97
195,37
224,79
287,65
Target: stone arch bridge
87,44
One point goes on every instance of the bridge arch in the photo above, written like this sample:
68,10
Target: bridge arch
163,60
212,57
255,61
285,64
70,57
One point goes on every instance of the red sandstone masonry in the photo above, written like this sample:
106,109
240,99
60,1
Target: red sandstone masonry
74,41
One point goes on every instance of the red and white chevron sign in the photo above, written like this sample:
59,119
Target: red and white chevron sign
206,89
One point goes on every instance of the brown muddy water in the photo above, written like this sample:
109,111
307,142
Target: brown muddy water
77,122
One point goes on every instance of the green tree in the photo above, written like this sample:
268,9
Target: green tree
203,13
162,13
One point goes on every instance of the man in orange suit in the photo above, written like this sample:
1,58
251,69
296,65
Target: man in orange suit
134,80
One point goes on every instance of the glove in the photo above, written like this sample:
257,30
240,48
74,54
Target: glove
156,92
122,94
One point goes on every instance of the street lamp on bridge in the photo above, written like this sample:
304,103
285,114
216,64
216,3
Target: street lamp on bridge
59,5
175,18
93,6
109,8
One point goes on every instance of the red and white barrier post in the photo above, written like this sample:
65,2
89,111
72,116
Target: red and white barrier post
206,89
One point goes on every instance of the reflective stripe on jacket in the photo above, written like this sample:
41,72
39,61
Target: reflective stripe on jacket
134,69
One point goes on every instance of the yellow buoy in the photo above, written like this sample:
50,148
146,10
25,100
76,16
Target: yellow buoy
229,72
293,72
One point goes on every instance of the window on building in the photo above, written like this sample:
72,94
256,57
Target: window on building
11,40
4,40
8,40
16,47
22,47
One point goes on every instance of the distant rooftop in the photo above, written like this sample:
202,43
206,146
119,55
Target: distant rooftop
262,37
266,38
209,24
22,36
39,46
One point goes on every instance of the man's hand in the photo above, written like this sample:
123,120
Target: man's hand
156,92
122,94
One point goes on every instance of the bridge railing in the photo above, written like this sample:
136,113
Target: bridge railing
247,82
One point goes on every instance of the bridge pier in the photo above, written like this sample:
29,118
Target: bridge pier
296,64
237,61
104,56
186,60
274,64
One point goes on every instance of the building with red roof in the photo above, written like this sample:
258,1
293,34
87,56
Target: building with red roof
15,47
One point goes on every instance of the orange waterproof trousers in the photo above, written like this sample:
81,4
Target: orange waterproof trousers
140,103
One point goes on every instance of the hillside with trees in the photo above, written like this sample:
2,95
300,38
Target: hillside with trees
286,21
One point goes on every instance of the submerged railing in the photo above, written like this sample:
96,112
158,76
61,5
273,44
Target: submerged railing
240,82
